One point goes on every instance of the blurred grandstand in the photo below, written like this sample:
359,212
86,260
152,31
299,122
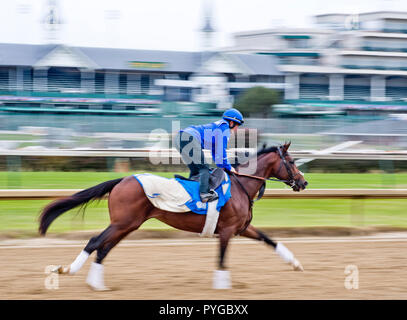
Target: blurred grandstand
356,62
345,79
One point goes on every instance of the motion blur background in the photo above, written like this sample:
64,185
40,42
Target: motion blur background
83,84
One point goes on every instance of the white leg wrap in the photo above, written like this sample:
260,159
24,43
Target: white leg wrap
96,277
221,279
284,253
211,220
288,257
78,263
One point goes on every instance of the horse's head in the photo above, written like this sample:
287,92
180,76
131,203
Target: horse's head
284,168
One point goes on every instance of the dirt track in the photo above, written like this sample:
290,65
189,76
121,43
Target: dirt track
176,269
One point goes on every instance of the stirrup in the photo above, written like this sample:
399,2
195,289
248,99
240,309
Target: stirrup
212,195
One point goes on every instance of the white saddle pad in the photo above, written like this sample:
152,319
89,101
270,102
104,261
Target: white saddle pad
165,194
170,195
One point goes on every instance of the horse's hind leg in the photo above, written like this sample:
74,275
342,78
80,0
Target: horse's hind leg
103,243
80,260
280,249
116,233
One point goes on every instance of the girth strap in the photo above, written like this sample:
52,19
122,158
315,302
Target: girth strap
261,191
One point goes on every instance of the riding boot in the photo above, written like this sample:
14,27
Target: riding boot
204,192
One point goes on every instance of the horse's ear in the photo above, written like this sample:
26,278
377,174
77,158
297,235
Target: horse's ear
286,146
264,145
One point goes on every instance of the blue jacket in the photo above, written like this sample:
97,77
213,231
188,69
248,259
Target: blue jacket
215,137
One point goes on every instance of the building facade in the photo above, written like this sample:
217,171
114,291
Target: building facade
57,76
345,58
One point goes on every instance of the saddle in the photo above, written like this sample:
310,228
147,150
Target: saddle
216,177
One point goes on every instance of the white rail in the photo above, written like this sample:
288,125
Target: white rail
38,194
172,153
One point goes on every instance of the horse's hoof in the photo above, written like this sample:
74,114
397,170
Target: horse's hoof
221,280
297,265
61,270
100,289
95,277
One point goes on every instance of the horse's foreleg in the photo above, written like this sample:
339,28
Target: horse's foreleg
221,279
280,249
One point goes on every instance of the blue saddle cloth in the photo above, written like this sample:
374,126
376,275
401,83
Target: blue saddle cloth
195,204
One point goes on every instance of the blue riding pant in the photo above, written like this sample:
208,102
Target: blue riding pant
192,155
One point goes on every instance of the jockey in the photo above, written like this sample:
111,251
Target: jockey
213,136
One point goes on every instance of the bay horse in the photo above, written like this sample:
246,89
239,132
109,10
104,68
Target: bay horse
129,208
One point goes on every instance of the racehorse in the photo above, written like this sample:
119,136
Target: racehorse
129,208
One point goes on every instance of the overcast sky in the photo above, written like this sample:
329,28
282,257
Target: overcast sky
166,24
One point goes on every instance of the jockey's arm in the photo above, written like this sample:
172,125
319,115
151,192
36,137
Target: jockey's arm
220,156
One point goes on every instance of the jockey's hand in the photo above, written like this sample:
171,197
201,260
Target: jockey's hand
233,170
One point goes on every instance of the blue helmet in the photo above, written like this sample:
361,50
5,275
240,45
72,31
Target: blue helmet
233,115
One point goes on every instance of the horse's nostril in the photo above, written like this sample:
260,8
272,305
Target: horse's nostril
305,183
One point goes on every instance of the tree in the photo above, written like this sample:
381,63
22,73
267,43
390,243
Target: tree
257,101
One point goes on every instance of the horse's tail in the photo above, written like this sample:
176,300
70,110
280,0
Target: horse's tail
58,207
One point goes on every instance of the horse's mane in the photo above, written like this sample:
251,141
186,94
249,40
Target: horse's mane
263,150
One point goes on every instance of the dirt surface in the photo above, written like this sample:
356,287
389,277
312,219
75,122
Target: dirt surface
279,232
183,269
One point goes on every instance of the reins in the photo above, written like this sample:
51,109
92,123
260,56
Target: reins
259,178
262,189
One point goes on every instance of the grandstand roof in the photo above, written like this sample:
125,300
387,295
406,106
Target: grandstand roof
258,64
127,59
22,54
108,58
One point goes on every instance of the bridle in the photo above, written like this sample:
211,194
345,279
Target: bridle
291,178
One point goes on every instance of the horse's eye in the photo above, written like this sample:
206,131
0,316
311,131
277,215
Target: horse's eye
292,162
